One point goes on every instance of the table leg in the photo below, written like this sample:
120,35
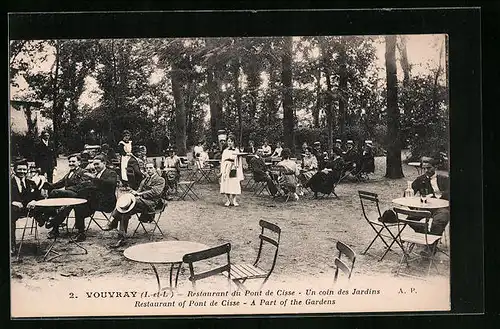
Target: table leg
157,277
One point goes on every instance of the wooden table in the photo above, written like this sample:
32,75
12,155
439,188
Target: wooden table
60,202
414,202
164,252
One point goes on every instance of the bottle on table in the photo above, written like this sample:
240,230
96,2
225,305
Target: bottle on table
408,191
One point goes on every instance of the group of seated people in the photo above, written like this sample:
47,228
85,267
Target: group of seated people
317,170
97,186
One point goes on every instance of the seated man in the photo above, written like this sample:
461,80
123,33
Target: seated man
24,194
422,184
350,156
337,148
99,191
441,216
144,201
69,187
260,172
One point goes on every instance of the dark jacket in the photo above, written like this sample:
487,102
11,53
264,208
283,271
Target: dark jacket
258,168
422,182
76,182
45,156
151,189
443,183
101,194
26,195
134,173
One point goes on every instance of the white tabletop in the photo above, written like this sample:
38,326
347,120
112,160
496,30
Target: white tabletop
419,164
414,202
59,202
164,252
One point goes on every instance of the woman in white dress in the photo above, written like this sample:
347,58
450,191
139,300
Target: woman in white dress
231,173
125,149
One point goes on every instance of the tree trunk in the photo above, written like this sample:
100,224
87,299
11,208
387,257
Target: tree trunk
215,102
286,79
253,87
180,112
237,97
329,110
405,65
56,110
393,161
317,107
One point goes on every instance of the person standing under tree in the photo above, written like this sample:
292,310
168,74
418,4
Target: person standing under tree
45,156
125,150
231,173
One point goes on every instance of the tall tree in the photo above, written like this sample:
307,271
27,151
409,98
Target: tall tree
393,161
180,110
286,80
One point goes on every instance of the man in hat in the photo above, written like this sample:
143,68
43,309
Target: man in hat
24,194
320,155
134,172
350,156
144,200
367,160
337,148
45,155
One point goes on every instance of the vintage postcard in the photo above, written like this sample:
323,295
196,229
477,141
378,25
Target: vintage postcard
229,175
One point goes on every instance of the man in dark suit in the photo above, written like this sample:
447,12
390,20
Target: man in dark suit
69,186
260,172
45,156
422,184
24,194
144,200
99,191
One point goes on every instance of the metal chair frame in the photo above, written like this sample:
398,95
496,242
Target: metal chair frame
410,241
243,272
382,230
156,219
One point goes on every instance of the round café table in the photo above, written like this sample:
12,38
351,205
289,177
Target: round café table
163,252
60,202
414,202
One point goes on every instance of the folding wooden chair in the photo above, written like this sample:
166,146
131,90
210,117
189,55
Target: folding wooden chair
186,189
340,264
382,230
206,254
201,173
243,272
409,238
93,219
155,221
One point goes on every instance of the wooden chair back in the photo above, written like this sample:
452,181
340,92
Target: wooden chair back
206,254
347,252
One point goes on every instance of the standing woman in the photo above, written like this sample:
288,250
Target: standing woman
125,149
231,173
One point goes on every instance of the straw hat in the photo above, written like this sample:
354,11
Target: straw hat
125,203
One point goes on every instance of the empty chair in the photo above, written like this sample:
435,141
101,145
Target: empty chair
418,236
207,254
345,265
243,272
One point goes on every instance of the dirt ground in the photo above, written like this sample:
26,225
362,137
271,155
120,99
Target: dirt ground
310,230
